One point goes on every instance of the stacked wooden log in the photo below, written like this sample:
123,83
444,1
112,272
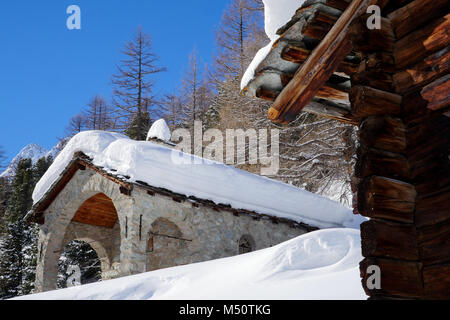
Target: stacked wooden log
401,97
298,38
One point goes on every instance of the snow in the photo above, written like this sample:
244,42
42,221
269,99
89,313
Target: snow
318,265
251,70
31,151
159,166
159,130
276,14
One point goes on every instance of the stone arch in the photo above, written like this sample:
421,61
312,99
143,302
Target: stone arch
246,244
84,188
165,243
95,263
99,245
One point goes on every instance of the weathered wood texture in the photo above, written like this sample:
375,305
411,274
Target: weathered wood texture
424,72
378,162
407,18
437,93
318,68
402,174
383,132
366,40
437,281
399,278
300,55
380,197
378,240
434,243
367,101
421,43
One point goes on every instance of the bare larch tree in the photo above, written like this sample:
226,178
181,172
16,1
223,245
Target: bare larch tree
132,94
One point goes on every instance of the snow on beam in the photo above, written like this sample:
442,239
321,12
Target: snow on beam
321,64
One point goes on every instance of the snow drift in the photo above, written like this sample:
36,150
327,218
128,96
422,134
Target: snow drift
318,265
223,184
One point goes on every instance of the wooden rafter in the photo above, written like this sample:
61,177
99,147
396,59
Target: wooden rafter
319,66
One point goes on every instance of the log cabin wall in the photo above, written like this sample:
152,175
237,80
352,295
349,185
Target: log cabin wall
401,98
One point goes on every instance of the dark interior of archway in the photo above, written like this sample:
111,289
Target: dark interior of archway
97,211
81,254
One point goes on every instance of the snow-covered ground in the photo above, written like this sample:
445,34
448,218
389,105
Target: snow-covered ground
167,168
318,265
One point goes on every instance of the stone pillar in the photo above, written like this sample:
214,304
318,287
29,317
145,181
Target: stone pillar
49,250
132,248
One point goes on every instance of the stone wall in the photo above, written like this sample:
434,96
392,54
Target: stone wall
152,231
205,233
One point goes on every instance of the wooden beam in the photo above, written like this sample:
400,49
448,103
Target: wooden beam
374,78
380,197
378,240
418,45
366,40
318,25
433,242
338,4
437,93
321,64
324,108
440,211
300,55
367,101
398,278
378,162
385,133
437,281
415,14
431,68
328,92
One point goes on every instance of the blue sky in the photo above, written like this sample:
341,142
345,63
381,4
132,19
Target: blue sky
48,73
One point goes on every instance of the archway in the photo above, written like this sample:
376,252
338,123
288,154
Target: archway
246,244
94,222
165,243
83,256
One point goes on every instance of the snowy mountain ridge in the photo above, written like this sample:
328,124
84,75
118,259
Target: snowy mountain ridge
31,151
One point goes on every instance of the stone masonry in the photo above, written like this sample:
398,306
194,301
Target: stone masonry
152,231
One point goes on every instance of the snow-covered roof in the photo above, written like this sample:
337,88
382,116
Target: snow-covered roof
159,166
159,130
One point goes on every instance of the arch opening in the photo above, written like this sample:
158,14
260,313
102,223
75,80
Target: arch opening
78,256
94,228
164,245
246,244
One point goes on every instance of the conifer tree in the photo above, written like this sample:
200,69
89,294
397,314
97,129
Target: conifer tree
79,253
19,241
133,87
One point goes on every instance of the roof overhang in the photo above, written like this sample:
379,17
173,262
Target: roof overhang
309,67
